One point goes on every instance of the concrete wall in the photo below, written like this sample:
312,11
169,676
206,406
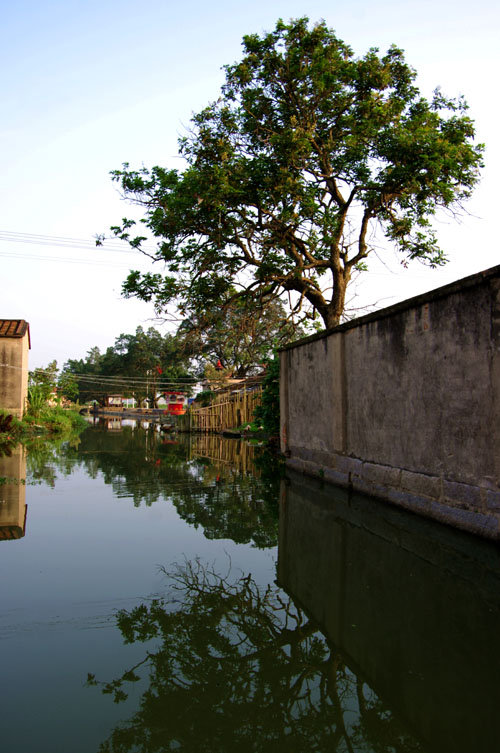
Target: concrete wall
14,374
404,404
413,607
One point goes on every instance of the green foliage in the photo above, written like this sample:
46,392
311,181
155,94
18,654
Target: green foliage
37,399
41,387
45,423
267,414
67,385
85,373
307,153
55,420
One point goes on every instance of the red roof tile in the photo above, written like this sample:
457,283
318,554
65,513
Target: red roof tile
14,328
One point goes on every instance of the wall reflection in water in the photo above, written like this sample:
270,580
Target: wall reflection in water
413,605
13,494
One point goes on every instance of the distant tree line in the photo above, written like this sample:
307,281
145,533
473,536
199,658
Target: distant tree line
136,366
146,363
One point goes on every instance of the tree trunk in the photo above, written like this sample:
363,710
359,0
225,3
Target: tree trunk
332,313
331,318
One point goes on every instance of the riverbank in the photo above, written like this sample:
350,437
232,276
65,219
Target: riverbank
50,423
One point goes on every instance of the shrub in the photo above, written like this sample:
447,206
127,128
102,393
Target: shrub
37,399
268,413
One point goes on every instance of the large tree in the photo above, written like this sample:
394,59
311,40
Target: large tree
306,154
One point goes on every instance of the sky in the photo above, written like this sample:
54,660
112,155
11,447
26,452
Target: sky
87,85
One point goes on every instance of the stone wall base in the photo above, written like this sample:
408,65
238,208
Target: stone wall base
475,509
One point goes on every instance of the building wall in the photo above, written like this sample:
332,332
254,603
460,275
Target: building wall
14,374
405,404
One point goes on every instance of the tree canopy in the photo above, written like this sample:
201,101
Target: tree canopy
306,155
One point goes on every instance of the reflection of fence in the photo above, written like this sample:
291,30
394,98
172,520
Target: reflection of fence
230,409
222,452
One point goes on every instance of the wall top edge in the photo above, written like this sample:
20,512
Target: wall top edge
479,278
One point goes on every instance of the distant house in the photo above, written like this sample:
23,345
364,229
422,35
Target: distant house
14,345
114,401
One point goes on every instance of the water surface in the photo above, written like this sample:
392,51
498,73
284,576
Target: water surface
162,592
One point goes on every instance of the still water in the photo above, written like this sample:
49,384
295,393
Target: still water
163,593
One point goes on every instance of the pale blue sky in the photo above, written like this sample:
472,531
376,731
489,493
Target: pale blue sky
89,85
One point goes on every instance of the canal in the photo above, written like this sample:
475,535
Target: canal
167,592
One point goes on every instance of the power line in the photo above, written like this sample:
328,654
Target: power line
116,379
65,242
133,383
126,378
120,376
60,242
132,380
102,391
66,260
115,246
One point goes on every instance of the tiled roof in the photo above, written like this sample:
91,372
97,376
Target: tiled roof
14,328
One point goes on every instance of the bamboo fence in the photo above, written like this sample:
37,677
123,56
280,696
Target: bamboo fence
230,409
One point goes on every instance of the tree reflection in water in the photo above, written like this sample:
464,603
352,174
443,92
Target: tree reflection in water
47,459
239,667
229,499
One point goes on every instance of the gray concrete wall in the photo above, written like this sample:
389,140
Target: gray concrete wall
14,374
404,404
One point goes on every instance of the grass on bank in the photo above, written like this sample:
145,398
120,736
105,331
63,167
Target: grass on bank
43,421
